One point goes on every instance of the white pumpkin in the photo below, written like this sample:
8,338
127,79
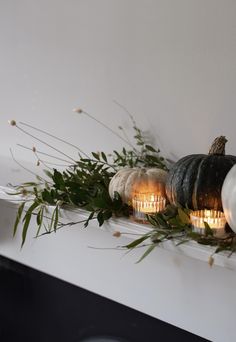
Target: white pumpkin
129,180
228,196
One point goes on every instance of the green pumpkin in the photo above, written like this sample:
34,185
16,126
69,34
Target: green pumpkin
195,181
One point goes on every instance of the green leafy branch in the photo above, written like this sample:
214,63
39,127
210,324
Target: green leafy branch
83,184
174,224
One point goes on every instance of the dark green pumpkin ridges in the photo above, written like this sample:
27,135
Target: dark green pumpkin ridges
195,181
181,180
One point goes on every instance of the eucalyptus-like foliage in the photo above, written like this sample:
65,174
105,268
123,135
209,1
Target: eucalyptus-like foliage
174,224
84,184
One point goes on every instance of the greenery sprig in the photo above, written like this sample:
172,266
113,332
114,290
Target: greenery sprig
174,224
83,184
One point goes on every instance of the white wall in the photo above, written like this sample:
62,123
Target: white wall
171,63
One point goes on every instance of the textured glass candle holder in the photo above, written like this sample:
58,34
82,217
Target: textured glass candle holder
146,204
215,219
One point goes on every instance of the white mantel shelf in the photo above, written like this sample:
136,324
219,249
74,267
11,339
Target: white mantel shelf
174,284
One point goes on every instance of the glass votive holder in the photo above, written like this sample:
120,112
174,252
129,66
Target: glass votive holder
146,204
214,218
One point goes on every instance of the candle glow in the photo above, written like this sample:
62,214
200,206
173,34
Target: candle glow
147,203
215,219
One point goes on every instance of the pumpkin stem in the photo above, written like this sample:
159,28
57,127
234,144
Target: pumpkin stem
218,146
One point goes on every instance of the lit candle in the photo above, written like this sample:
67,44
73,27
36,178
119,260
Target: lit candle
147,203
215,219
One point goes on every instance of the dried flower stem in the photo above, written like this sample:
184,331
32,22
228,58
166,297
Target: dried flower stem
26,169
104,125
127,112
43,142
54,137
127,138
40,161
46,154
46,163
62,225
120,248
